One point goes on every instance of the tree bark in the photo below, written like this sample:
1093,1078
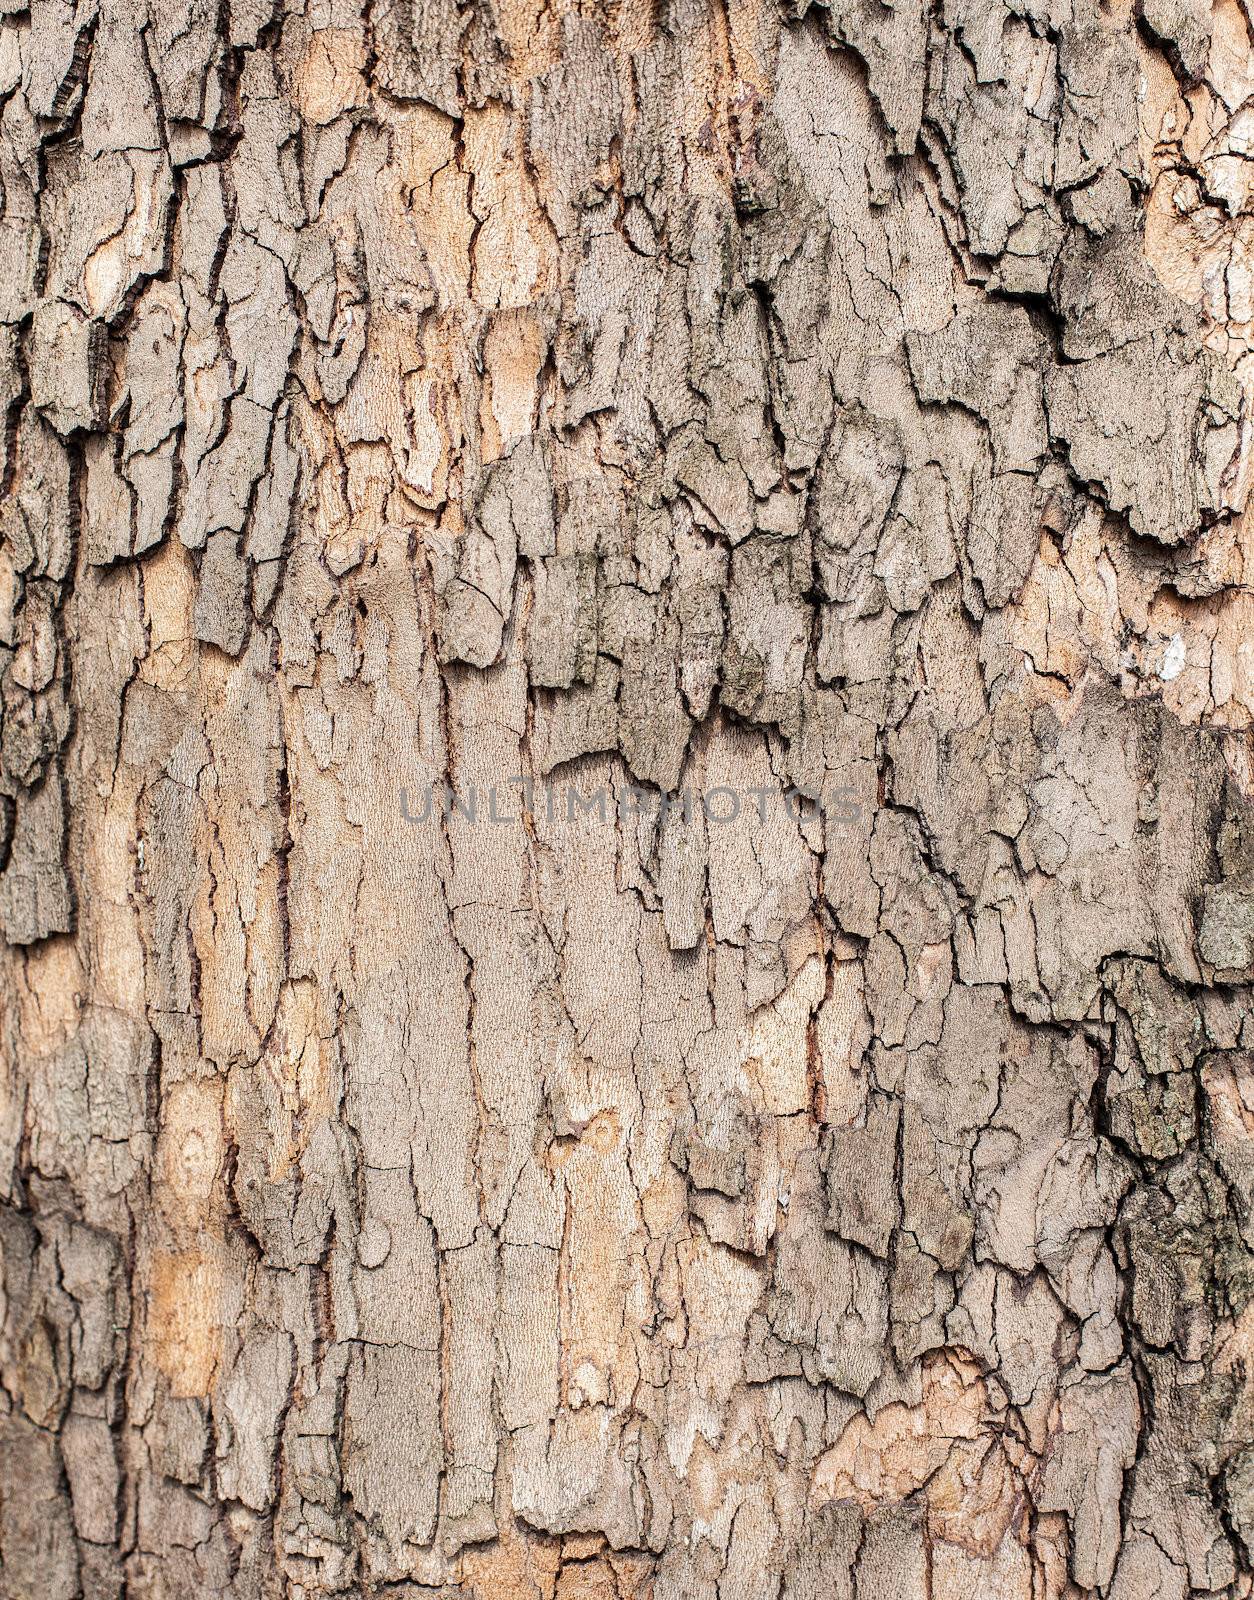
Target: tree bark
626,866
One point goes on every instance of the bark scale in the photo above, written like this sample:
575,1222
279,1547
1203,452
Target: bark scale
563,1202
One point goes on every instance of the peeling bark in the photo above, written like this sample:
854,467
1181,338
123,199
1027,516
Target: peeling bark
420,1177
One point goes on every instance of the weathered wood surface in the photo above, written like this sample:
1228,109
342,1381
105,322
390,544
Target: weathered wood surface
728,395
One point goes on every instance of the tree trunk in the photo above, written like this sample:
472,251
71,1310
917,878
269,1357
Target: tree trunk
627,869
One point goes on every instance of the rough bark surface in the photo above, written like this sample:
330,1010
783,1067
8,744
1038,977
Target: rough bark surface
738,395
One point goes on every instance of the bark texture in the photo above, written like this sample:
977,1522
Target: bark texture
739,395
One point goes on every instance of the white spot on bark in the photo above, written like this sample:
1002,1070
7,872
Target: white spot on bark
1173,659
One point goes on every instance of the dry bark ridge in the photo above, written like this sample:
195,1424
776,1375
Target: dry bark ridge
738,394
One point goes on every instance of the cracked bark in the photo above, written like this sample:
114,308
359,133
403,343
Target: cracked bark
742,395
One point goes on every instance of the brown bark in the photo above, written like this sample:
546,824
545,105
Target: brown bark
724,400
